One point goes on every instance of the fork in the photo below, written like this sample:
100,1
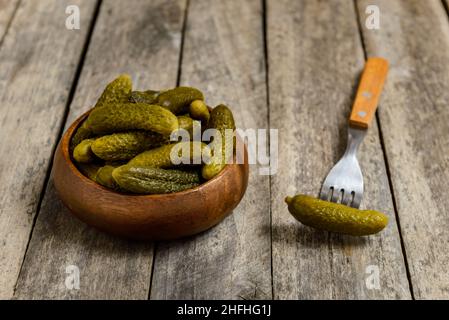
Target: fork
344,183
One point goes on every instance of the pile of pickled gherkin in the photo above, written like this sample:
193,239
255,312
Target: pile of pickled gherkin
126,142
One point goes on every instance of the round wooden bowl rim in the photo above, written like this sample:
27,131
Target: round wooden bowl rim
65,151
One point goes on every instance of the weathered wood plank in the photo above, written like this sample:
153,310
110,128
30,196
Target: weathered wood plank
223,56
7,9
38,61
141,38
414,36
315,58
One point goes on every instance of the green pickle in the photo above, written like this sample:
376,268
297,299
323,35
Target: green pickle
199,111
132,116
83,151
125,145
104,177
148,97
186,123
173,175
335,217
161,157
221,118
177,100
115,92
150,180
82,133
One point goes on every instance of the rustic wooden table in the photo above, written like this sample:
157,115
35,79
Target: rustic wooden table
288,65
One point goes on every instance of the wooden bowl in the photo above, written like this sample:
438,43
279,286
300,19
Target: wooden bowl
154,217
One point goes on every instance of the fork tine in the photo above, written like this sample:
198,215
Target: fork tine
324,194
345,179
347,198
357,200
335,194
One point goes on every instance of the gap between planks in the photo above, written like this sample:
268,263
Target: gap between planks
30,135
10,20
387,165
315,55
148,48
221,262
178,80
267,86
414,120
446,7
61,128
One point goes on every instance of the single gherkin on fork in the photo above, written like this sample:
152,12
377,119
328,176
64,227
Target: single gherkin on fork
342,190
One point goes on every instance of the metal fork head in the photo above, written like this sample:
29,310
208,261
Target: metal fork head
344,183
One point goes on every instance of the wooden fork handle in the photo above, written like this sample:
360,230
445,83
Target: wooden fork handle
370,87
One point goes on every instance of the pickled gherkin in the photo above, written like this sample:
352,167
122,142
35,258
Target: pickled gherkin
221,118
116,92
148,97
83,152
104,177
149,180
161,157
82,133
335,217
186,123
126,145
173,175
154,186
177,100
132,116
198,110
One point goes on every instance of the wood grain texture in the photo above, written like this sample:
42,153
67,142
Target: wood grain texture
38,62
143,39
223,56
7,10
415,125
315,60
